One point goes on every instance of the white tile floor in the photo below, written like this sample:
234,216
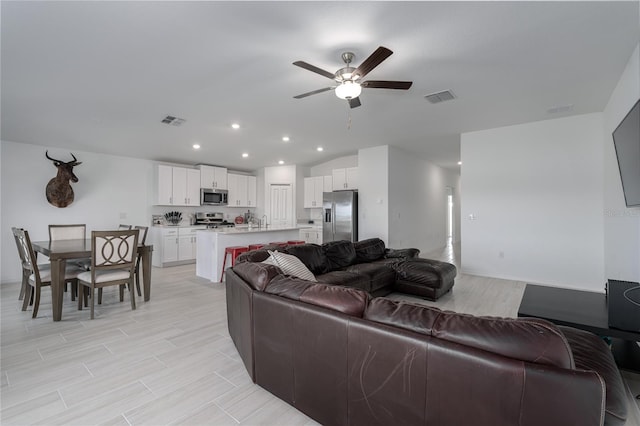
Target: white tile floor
171,361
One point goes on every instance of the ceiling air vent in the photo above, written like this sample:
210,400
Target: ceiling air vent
174,121
436,98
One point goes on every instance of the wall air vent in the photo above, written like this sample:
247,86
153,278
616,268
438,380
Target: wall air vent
560,108
174,121
436,98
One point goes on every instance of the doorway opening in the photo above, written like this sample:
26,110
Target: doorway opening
449,232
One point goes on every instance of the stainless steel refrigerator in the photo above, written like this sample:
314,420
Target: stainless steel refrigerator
340,211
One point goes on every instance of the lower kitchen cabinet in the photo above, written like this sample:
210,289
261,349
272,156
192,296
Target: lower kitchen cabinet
311,235
173,245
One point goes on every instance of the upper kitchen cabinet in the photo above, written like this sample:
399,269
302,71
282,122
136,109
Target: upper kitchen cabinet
213,177
313,189
177,186
345,178
242,190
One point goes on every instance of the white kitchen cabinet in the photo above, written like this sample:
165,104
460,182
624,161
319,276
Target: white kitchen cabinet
193,187
313,189
177,186
213,177
311,235
169,247
164,185
345,178
187,243
173,245
252,191
242,190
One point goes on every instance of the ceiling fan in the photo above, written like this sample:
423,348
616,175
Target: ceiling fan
349,79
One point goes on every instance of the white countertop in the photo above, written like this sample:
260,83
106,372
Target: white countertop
247,230
180,226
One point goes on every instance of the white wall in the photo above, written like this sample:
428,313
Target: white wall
403,199
621,224
373,193
325,169
418,202
536,192
110,190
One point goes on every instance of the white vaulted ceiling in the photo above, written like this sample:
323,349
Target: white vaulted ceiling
100,76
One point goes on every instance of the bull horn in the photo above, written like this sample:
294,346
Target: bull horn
74,157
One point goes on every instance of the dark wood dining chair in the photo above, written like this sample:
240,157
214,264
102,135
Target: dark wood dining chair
26,271
113,259
123,227
142,239
39,275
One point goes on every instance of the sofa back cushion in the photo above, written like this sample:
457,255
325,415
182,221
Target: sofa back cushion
253,256
257,275
311,255
347,300
528,339
369,250
289,265
339,254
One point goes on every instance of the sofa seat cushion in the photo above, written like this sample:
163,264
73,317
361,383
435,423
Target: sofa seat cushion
379,275
591,353
425,272
344,278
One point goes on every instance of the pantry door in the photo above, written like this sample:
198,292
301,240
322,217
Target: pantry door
281,205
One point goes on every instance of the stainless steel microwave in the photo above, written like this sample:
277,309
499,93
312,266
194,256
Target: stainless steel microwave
213,197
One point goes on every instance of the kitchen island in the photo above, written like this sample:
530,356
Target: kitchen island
211,244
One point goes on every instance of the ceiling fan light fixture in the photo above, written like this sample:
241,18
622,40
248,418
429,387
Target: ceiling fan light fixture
348,90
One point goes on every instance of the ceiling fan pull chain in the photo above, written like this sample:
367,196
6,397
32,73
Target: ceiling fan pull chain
349,119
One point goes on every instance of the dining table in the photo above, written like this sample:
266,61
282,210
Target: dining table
59,251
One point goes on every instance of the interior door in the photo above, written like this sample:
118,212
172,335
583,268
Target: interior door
281,205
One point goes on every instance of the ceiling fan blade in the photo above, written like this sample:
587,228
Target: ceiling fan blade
382,84
373,61
313,68
354,102
304,95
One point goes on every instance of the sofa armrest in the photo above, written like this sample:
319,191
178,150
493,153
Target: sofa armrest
406,253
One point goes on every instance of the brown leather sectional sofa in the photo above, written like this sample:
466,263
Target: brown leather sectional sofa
345,358
370,266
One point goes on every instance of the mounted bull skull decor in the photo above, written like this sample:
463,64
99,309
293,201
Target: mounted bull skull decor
59,191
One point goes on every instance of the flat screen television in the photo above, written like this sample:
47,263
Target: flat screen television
626,139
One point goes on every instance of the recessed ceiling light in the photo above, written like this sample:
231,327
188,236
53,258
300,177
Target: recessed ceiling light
459,163
320,149
281,162
245,155
285,139
196,146
235,126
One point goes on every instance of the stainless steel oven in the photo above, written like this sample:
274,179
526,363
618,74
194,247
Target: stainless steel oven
213,197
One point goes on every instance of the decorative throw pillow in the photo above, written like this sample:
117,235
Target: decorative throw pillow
290,265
